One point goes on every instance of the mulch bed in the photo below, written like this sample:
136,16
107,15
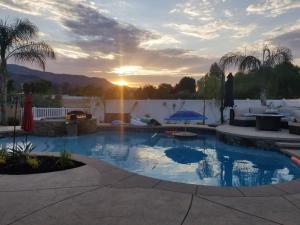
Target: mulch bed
46,164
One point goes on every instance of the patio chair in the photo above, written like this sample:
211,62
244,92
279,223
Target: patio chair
241,117
294,126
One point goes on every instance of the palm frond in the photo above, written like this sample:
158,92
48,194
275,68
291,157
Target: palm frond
281,55
231,59
249,63
4,32
266,54
21,31
34,52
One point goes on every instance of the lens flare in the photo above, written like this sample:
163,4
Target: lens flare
121,83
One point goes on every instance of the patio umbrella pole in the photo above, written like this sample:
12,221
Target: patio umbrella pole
14,135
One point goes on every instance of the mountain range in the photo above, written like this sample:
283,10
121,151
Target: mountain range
22,74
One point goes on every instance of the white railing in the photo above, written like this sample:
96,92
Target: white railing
39,113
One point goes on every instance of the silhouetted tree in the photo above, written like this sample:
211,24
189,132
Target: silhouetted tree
186,84
18,42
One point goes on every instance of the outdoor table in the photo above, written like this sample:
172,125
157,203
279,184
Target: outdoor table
270,122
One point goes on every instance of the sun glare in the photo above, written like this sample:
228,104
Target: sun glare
127,70
120,83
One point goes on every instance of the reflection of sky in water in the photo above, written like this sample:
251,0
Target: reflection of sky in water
217,164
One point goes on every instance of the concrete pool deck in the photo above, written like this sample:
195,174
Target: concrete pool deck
252,132
99,193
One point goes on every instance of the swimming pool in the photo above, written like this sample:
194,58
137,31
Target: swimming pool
205,160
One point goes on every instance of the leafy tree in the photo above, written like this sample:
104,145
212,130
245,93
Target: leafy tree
148,91
247,63
40,86
186,84
215,70
18,41
165,91
91,90
209,87
283,81
10,86
39,100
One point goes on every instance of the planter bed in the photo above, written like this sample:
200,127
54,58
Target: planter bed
46,164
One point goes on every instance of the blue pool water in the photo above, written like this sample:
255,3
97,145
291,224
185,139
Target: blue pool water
204,160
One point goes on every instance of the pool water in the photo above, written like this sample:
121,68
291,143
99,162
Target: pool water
204,160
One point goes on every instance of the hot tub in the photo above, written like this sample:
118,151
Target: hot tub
58,126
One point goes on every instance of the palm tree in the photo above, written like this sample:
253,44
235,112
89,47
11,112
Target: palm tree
18,42
270,58
244,63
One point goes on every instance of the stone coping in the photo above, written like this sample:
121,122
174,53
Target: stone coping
165,127
119,178
8,131
98,193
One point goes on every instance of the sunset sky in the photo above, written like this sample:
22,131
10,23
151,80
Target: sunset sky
155,41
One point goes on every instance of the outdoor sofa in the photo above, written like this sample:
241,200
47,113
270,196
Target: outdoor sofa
294,125
246,116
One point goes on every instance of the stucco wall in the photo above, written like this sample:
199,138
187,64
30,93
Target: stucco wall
161,109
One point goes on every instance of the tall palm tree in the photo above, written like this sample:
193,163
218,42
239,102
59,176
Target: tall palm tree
270,58
18,42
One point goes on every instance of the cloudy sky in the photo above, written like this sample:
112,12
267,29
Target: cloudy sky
154,41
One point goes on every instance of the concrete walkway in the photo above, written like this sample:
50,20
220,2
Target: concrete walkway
252,132
98,193
4,129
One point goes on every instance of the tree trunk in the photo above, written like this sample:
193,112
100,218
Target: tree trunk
204,100
3,98
222,98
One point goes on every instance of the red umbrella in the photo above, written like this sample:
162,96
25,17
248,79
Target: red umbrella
27,123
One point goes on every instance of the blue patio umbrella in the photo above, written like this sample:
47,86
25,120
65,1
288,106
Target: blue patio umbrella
185,155
186,116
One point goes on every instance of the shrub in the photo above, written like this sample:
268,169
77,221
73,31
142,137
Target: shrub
11,121
2,161
65,160
32,162
3,156
23,150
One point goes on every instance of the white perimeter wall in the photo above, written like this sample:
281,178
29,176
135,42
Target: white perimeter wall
161,109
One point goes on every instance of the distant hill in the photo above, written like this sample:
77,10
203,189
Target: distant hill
21,74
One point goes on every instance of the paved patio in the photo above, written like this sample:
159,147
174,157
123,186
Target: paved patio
5,129
252,132
98,193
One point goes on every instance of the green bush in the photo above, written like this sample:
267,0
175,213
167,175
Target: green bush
32,162
22,152
65,160
3,156
11,121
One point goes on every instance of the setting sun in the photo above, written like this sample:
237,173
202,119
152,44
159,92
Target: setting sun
121,83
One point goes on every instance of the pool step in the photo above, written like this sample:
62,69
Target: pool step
293,145
291,152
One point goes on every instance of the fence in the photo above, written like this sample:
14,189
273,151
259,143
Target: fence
39,113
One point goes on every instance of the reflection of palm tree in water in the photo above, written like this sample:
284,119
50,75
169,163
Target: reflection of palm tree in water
226,171
250,177
117,148
247,176
205,169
